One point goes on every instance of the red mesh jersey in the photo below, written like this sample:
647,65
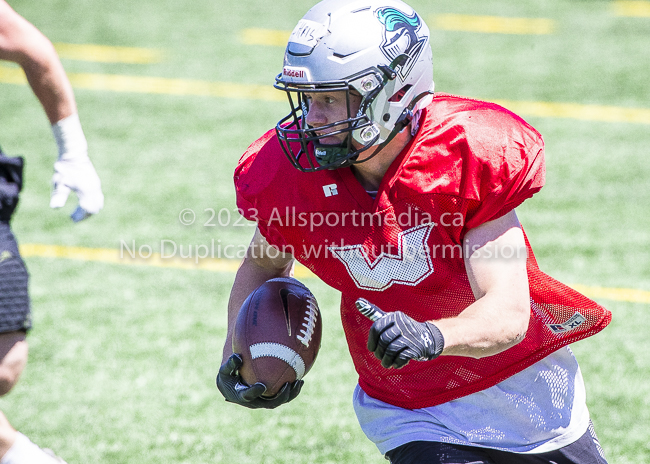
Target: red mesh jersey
470,162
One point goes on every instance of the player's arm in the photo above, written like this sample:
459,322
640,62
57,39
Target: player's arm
262,262
25,45
496,321
496,268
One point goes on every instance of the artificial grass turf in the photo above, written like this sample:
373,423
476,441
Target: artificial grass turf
123,359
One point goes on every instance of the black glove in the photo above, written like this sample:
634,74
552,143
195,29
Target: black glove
396,338
235,391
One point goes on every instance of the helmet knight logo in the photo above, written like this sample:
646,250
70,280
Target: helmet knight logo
401,37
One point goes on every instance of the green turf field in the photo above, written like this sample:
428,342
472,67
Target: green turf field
123,358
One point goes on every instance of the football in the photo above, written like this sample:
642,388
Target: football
277,333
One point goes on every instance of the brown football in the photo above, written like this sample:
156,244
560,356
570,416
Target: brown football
277,333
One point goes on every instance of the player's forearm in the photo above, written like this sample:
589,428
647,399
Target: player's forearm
52,88
47,79
489,326
250,275
25,45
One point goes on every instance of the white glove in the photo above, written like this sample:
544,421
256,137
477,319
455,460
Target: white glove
73,171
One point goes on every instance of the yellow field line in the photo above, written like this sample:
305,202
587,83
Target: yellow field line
163,85
115,256
156,85
617,294
270,37
12,75
577,111
448,22
492,24
108,54
639,9
122,257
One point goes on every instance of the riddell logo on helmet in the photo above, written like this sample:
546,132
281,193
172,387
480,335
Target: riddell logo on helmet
296,73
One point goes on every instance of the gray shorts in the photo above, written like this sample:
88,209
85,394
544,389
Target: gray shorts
15,314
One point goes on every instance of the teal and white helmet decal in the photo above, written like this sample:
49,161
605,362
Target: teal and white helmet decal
401,37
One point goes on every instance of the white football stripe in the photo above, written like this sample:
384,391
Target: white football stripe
275,350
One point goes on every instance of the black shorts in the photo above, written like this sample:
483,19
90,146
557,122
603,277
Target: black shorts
15,314
586,450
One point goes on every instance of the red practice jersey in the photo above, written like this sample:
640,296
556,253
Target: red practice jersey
470,162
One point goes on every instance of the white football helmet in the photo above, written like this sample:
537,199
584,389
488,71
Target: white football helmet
378,49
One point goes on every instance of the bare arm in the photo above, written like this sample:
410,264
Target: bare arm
25,45
262,262
496,269
22,43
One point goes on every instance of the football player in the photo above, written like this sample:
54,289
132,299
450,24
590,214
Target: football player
459,340
23,44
